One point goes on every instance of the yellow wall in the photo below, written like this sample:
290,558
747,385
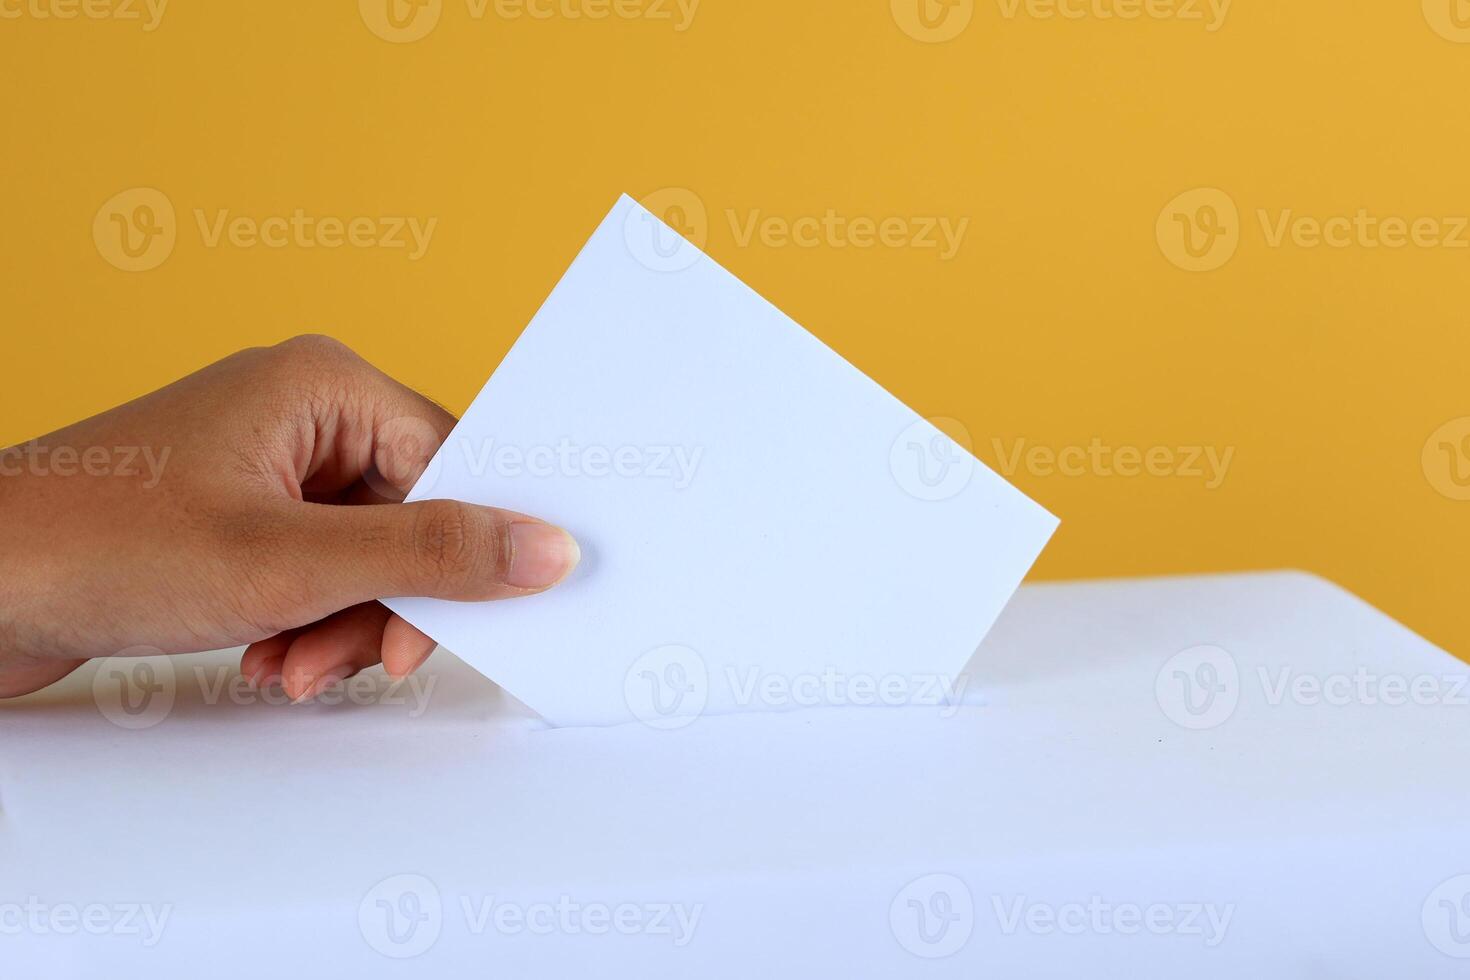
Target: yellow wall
1065,315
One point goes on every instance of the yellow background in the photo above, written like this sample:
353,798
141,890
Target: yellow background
1060,320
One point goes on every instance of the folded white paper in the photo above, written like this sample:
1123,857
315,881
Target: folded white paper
762,525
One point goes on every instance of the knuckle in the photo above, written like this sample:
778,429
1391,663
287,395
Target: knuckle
317,346
311,373
459,547
310,358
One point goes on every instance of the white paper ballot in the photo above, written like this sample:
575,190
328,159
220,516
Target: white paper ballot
762,525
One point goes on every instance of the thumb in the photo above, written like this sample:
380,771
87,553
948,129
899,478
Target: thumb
442,549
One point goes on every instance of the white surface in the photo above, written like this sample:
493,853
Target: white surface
1333,833
751,507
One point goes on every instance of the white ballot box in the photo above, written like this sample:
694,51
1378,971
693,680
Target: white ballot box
1252,775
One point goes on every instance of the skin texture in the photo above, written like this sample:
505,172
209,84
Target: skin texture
254,502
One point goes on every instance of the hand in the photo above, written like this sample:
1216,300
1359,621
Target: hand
256,501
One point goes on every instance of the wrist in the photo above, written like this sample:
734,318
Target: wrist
19,577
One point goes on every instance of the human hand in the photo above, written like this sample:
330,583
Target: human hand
256,501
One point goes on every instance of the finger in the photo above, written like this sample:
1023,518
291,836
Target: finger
405,648
268,675
365,426
32,675
443,549
333,650
261,661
